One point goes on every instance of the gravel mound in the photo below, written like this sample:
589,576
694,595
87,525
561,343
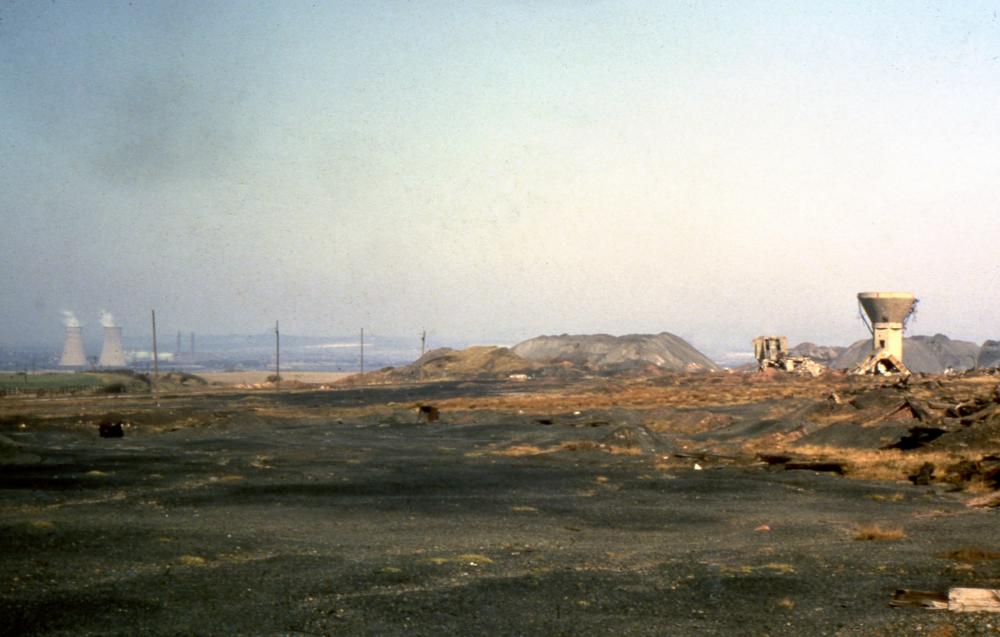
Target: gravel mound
989,355
824,354
605,352
926,354
484,362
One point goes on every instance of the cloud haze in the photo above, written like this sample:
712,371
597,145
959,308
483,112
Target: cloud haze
492,171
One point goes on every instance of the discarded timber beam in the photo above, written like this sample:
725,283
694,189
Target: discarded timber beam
939,405
904,598
958,600
792,463
774,458
704,456
982,414
920,409
824,467
903,405
974,600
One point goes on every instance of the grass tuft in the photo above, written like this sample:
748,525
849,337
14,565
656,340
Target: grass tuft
879,533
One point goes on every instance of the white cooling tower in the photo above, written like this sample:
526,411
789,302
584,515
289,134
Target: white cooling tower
73,354
112,354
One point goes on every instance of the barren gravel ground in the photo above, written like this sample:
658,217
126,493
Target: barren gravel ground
342,513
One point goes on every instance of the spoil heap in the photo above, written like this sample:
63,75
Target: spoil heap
824,354
602,352
989,355
477,362
926,354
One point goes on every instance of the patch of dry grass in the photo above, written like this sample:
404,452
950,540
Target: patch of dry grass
879,464
518,451
260,376
971,554
688,391
590,445
878,533
887,497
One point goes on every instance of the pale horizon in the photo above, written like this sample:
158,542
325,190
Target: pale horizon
491,172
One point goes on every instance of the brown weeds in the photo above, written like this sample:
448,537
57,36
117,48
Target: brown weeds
879,533
971,554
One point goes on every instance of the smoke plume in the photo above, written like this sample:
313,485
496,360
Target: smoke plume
107,319
69,319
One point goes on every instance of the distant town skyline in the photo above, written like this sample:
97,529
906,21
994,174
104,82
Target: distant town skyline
492,171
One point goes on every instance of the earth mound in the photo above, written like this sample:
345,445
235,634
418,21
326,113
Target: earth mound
824,354
616,353
476,362
926,354
989,355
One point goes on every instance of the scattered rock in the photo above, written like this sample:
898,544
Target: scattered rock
428,412
924,475
109,429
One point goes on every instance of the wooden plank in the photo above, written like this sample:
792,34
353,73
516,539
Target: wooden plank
982,414
974,600
919,599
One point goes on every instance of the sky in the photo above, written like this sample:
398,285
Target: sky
492,171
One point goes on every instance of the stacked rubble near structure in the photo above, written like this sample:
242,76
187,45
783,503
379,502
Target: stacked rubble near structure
769,350
772,351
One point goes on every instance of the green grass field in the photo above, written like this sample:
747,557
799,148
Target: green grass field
65,382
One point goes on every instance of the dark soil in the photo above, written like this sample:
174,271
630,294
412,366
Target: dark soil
280,515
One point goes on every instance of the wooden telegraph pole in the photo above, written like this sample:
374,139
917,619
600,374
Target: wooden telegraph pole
156,363
423,344
277,356
362,355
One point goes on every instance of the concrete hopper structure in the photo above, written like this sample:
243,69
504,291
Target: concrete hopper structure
73,354
112,354
887,313
769,350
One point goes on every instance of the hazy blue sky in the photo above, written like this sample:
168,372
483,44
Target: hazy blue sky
496,170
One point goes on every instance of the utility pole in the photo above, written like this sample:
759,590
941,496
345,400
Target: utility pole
277,356
423,344
362,355
156,364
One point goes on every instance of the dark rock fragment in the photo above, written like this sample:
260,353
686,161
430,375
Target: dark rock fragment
108,429
924,475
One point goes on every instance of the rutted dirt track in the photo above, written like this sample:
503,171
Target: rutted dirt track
554,510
